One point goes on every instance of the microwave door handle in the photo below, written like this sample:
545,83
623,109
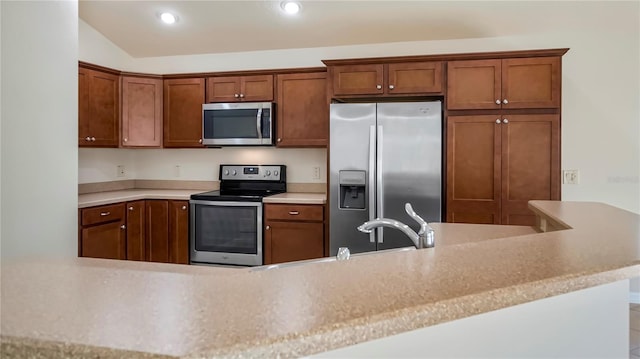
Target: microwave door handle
259,123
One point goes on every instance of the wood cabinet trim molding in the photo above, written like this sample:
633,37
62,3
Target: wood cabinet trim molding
299,70
449,57
86,65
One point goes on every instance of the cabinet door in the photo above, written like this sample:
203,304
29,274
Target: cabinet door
102,119
530,164
474,84
183,99
257,88
473,169
141,112
104,241
179,232
157,227
414,78
136,231
84,138
357,79
531,82
223,89
303,110
292,241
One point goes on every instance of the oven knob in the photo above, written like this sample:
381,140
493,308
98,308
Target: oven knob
234,172
268,173
275,173
226,172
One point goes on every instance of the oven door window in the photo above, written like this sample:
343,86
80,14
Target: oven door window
227,229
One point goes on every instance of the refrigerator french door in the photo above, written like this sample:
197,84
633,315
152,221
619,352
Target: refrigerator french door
383,155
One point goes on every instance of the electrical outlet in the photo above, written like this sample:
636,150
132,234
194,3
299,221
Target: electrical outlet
316,172
177,171
571,176
121,171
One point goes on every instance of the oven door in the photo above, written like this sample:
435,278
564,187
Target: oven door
226,232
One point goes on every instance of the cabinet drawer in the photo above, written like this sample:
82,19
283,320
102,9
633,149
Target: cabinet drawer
294,212
102,214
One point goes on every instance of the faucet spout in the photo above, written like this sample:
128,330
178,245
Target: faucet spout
368,226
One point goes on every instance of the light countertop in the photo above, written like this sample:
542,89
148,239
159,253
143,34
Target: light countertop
102,198
92,307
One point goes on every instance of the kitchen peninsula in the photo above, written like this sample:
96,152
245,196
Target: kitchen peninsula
88,307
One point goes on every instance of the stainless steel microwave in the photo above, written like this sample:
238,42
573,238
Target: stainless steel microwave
237,124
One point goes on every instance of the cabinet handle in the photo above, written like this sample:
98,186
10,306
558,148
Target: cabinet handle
200,140
236,95
131,208
498,121
498,102
241,95
379,87
505,121
268,228
184,207
105,213
294,213
123,226
279,139
391,87
505,101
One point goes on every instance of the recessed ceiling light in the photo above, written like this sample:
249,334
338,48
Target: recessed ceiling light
168,18
290,7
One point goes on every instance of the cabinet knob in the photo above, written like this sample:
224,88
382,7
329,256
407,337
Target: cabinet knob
505,121
268,227
498,102
498,121
505,101
241,95
200,140
93,138
391,87
88,139
236,95
279,139
184,207
131,208
123,226
379,87
126,139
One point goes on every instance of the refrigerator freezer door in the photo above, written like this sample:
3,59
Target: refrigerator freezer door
409,167
349,150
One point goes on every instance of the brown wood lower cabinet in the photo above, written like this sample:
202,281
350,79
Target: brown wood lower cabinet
151,230
293,232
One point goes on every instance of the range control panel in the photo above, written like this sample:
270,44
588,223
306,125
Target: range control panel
253,172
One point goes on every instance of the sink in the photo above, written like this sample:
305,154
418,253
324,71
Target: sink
325,259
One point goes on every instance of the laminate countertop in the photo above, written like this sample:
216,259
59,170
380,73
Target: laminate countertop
102,308
102,198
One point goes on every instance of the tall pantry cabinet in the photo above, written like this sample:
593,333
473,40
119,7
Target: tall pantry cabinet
503,137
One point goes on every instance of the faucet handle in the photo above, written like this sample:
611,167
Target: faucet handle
414,215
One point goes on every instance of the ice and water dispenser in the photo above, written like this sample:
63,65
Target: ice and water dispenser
352,189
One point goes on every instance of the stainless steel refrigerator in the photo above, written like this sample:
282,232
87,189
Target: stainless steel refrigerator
381,156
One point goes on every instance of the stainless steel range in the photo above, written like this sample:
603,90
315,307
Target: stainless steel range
226,225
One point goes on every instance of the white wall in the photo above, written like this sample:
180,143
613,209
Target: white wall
39,166
97,49
600,127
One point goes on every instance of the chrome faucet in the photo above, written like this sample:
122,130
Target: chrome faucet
423,239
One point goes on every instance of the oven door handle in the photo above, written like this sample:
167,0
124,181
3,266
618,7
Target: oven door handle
226,203
259,123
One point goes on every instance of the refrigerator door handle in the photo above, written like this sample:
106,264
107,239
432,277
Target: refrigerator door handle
379,184
372,187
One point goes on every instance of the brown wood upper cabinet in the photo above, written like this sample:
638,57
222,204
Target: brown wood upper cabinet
98,108
255,88
141,112
504,84
497,163
407,78
302,110
183,99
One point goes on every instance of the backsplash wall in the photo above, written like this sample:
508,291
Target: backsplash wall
101,164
